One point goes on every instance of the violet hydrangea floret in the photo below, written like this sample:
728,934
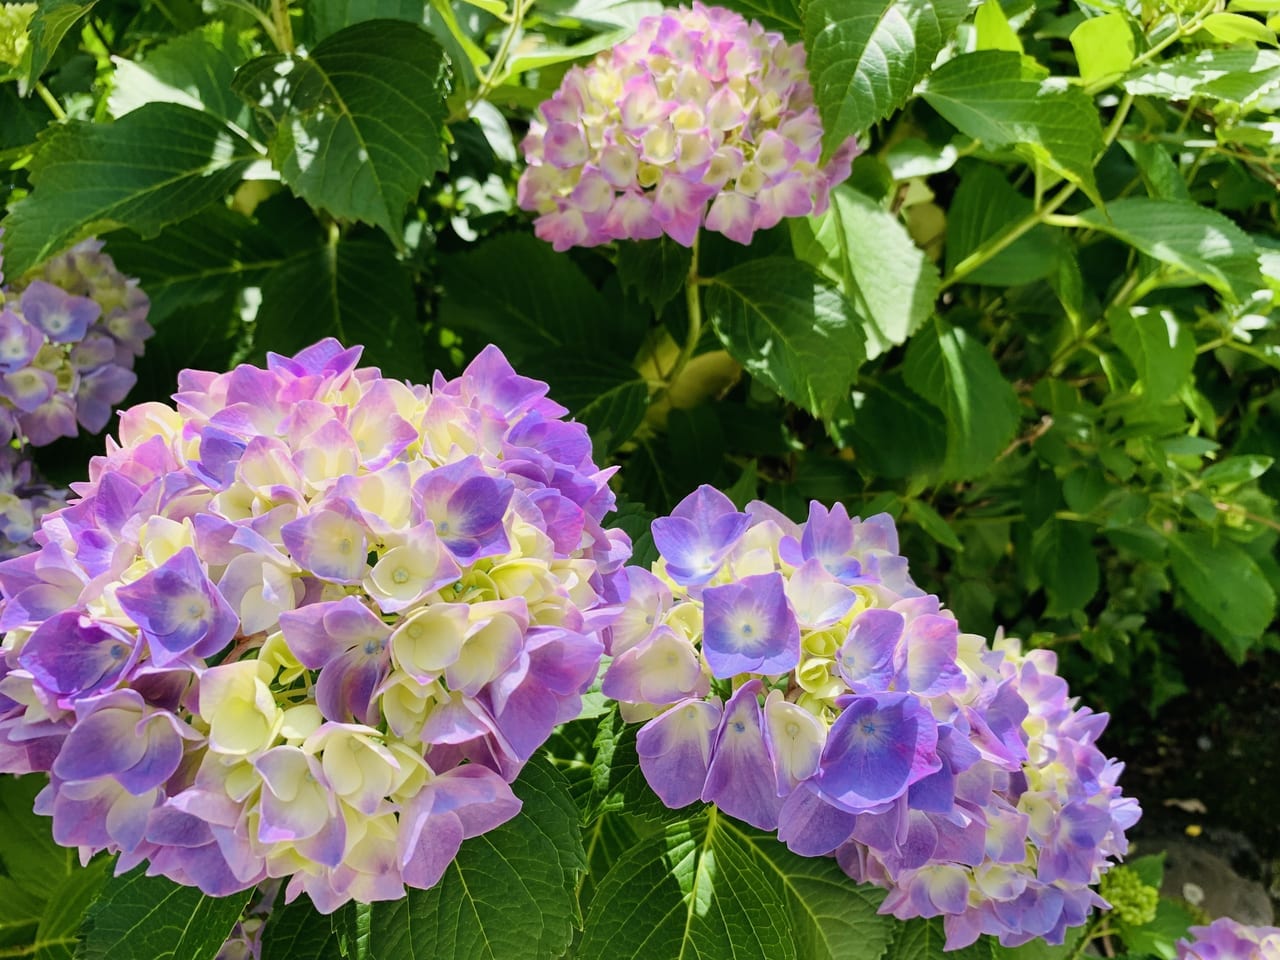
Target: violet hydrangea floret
1228,939
795,676
701,119
24,499
69,335
309,624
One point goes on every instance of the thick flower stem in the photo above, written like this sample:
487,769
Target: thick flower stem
693,301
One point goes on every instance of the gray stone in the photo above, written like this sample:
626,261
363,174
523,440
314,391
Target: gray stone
1194,871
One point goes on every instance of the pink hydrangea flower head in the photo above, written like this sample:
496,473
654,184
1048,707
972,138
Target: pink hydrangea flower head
795,676
309,623
702,119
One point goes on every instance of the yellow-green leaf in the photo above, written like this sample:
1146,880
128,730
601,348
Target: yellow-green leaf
1104,47
1235,27
993,29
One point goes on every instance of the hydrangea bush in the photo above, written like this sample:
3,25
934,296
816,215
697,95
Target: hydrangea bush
1227,939
323,660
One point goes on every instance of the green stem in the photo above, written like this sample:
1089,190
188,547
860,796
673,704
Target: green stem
694,303
50,101
1086,937
284,29
494,73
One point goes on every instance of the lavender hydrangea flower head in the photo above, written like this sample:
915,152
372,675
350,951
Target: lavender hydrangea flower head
309,623
1227,939
68,340
701,119
24,499
796,677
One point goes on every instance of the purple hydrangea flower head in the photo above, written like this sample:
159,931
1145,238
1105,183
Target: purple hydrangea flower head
308,625
1227,939
68,339
701,119
795,676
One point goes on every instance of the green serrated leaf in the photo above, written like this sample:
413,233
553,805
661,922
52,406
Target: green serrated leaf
56,938
297,931
27,849
693,890
1201,243
1234,472
1223,588
954,372
790,329
866,56
868,252
1162,350
1236,76
984,206
156,166
924,939
195,70
895,432
52,21
359,123
655,269
137,917
197,261
603,392
1104,47
356,291
782,15
509,894
546,305
932,523
1008,101
618,784
1236,27
993,30
1064,559
832,918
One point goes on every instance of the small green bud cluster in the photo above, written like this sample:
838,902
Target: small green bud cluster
1133,903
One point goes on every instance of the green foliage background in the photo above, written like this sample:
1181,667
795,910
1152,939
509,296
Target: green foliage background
1038,326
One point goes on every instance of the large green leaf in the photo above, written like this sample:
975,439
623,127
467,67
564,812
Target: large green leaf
866,56
954,372
655,270
895,432
1064,560
195,70
924,939
1236,76
51,22
710,887
1009,101
156,166
605,394
790,328
868,252
297,931
1223,588
781,15
1195,240
359,122
356,291
691,891
509,895
43,888
617,783
201,260
984,206
150,918
1162,350
517,292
